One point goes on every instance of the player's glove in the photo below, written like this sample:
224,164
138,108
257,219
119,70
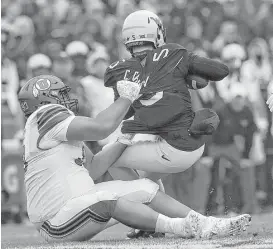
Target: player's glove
269,102
126,138
196,82
128,89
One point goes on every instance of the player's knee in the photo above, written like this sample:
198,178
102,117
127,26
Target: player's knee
149,186
205,122
106,204
105,208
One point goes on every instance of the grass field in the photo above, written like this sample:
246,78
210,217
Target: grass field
259,236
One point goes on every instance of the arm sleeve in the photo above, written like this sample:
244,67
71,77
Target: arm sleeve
207,68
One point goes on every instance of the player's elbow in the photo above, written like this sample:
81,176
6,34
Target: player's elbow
222,72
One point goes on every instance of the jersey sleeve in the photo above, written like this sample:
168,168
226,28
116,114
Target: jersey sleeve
110,76
116,71
207,68
52,123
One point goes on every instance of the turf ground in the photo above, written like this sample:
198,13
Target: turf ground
259,236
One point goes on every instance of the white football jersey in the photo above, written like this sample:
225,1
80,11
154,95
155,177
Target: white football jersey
54,167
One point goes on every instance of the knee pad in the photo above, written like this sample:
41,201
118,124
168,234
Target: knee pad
205,122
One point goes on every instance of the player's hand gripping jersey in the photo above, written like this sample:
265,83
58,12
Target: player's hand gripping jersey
54,171
165,107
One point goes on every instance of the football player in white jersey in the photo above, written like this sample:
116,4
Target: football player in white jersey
63,202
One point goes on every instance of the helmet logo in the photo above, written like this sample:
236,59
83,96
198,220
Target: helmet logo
43,84
157,21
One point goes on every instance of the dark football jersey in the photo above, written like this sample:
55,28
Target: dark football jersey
165,105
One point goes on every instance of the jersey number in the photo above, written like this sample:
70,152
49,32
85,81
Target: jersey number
165,51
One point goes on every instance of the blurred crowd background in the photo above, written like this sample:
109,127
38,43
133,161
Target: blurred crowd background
77,39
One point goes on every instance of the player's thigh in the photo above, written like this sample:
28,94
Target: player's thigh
177,160
142,155
158,156
142,191
81,218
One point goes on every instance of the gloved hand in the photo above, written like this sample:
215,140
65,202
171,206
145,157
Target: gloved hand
128,89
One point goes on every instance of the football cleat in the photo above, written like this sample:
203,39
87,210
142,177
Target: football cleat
218,227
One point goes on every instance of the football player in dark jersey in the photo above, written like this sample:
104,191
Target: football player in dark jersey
164,109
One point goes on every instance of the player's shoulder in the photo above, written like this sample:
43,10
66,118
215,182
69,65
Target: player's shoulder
115,69
50,108
120,64
169,52
48,116
172,46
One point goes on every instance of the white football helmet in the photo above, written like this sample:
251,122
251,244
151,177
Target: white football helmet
143,27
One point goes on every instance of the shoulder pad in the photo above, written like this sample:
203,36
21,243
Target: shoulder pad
50,116
110,76
173,46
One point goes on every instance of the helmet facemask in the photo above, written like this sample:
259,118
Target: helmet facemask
65,100
62,97
43,90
